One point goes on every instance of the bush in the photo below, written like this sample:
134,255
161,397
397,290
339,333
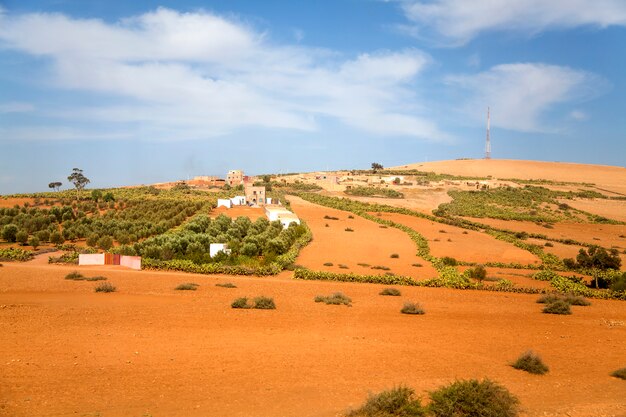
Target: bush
75,276
558,307
412,308
34,242
348,229
188,286
328,264
105,242
342,266
417,265
620,373
390,291
226,285
530,362
105,287
576,300
548,298
473,398
21,237
395,402
448,261
264,303
394,255
479,273
337,298
240,303
96,278
619,283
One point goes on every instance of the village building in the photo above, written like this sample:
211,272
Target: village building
255,195
234,177
281,214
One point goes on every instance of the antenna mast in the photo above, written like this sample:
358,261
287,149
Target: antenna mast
488,141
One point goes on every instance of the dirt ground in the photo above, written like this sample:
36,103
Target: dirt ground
148,350
368,243
607,177
612,209
252,212
470,246
424,201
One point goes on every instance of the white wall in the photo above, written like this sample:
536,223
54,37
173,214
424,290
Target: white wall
91,259
224,202
133,262
214,248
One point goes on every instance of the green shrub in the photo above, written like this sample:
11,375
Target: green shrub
478,272
241,303
264,303
374,192
473,398
448,261
398,402
381,267
390,291
75,276
576,300
394,255
226,285
337,298
105,287
188,286
96,278
548,298
620,373
558,307
619,283
417,265
412,308
530,362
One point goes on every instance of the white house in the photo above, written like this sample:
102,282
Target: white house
239,200
224,202
285,216
215,248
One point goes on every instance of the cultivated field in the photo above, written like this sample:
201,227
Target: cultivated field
148,349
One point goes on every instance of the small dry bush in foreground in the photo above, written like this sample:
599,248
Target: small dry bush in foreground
259,303
557,307
105,287
412,308
530,362
188,286
390,291
473,398
398,402
337,298
226,285
620,373
75,276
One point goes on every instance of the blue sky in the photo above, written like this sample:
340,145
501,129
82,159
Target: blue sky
141,92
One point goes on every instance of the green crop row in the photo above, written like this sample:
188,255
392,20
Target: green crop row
15,254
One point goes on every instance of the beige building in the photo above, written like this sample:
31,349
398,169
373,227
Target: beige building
255,195
234,177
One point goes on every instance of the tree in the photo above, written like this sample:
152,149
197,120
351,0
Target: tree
21,237
78,179
96,195
34,242
376,166
9,232
55,185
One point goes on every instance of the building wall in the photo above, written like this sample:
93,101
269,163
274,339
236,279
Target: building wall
234,177
255,195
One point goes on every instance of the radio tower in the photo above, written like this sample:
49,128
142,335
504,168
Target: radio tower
488,141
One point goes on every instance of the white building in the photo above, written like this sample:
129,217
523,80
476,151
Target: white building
215,248
224,202
239,200
285,216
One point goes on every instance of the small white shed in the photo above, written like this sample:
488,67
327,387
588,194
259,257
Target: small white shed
239,200
215,248
224,202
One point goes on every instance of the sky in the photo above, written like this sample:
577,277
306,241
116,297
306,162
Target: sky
137,92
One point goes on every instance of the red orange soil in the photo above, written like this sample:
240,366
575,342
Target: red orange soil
150,350
368,243
612,209
471,246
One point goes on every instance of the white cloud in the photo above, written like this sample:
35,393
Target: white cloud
195,75
520,94
458,21
578,115
16,107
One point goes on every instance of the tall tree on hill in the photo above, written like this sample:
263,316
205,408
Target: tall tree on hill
55,185
78,179
376,166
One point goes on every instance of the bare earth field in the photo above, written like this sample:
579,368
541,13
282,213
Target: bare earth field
608,177
471,247
150,350
367,244
424,201
612,209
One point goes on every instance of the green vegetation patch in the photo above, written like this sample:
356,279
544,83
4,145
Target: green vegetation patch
530,362
187,286
396,402
374,192
410,307
473,398
337,298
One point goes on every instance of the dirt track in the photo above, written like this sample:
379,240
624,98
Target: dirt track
150,350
